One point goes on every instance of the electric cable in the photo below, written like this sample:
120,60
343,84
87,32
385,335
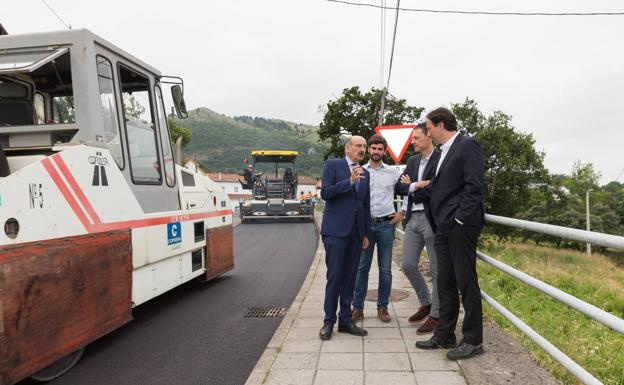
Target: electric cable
487,13
56,14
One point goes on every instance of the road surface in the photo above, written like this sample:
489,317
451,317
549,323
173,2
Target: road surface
196,334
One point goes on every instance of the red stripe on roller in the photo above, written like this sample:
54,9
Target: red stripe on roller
77,190
47,164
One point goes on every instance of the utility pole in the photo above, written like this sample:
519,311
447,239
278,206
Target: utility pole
383,105
587,217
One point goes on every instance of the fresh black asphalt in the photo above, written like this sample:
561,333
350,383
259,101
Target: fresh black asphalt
196,333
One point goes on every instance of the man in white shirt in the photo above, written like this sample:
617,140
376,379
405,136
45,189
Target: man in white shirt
384,219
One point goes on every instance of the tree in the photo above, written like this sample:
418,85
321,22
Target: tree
178,130
357,113
514,169
134,108
583,178
614,192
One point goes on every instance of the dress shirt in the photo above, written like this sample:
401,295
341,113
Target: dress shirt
445,147
350,162
421,172
382,181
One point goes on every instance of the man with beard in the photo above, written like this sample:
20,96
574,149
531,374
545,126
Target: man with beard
384,220
346,224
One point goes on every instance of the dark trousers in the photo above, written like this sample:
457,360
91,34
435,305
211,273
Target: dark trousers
342,256
456,250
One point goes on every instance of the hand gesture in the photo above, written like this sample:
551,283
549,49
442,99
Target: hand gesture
405,179
397,217
356,174
422,184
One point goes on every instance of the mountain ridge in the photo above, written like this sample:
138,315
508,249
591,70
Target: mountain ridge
220,142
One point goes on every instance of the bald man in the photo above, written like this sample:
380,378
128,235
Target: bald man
346,224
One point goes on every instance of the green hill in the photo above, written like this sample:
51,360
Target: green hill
220,143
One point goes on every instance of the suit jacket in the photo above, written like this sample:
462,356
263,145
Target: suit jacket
418,196
344,206
457,190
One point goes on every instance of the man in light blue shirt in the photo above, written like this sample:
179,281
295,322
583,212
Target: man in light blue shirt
384,219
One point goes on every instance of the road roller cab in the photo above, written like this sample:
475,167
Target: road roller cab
97,217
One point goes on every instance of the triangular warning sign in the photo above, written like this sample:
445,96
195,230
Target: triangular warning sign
398,138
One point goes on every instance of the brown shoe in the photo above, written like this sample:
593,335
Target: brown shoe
420,314
357,315
428,327
382,314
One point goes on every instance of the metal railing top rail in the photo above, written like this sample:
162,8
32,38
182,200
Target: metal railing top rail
589,310
600,239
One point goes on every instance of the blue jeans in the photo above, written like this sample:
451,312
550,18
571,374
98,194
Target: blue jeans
383,237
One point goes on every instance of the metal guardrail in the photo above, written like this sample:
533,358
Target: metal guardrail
591,311
599,315
600,239
551,349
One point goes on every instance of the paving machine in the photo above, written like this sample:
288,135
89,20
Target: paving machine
273,182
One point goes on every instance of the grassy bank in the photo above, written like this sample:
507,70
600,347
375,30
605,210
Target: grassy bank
595,279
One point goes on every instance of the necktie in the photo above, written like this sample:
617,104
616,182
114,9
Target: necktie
357,182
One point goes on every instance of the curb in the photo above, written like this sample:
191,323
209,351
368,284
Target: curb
261,370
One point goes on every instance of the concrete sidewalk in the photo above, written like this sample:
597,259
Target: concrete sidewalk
387,356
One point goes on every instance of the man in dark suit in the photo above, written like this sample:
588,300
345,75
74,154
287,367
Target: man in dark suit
346,224
457,214
418,173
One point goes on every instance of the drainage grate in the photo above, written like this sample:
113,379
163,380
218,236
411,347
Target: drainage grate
265,312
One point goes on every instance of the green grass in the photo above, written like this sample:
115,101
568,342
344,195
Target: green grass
595,279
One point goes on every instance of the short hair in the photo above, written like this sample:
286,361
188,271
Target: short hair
377,139
445,116
422,126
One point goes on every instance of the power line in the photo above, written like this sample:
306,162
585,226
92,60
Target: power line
396,22
385,90
56,14
488,13
383,43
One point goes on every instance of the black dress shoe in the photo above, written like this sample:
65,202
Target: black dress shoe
465,350
326,331
352,328
436,343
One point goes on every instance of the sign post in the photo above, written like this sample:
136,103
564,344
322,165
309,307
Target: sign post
398,138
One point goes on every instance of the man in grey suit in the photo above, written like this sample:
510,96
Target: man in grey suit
419,171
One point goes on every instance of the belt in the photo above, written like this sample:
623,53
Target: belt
418,211
381,219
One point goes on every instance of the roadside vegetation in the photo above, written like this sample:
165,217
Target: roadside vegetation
596,279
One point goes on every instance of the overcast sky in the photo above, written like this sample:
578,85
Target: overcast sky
561,78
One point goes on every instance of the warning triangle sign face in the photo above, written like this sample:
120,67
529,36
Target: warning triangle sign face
398,138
